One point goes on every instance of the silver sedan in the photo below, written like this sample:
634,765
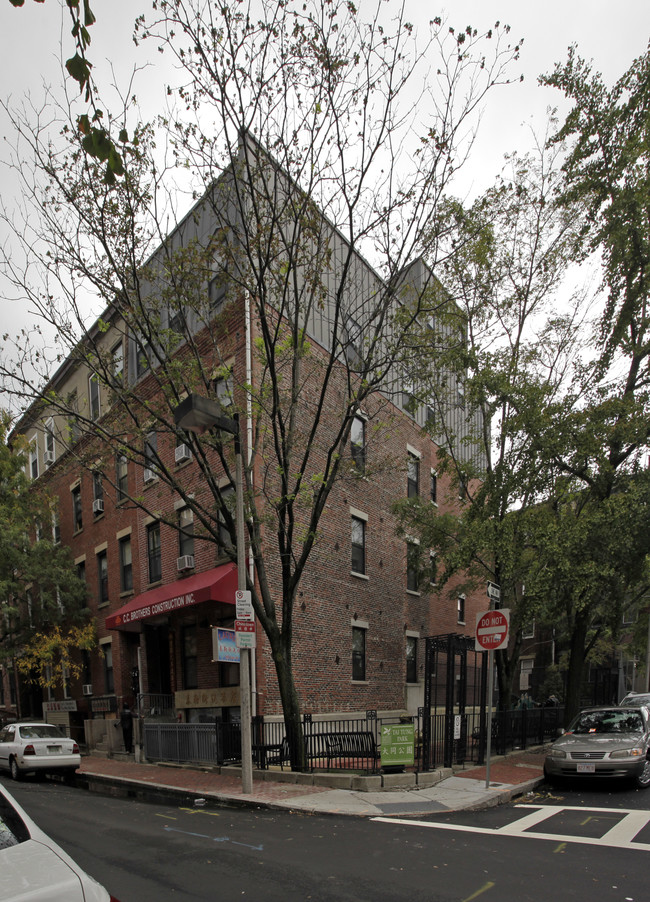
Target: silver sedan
37,748
604,742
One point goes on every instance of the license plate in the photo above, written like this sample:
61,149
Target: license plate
54,750
586,768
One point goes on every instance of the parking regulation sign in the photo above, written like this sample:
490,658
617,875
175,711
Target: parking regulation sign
492,630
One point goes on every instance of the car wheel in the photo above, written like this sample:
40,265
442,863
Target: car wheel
15,770
643,780
551,779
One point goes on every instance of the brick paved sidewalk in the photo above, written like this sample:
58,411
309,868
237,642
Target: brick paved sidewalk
192,780
518,767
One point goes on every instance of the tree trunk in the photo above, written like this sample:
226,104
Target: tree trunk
575,669
290,706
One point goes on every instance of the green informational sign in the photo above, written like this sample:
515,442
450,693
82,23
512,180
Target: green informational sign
397,744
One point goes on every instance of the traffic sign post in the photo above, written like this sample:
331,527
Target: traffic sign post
493,591
492,630
491,634
244,605
245,636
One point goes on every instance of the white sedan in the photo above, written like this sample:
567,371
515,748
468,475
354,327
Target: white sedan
37,748
33,868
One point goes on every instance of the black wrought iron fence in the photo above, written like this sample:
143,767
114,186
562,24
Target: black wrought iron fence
355,744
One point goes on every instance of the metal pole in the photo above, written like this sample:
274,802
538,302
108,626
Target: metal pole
490,693
244,659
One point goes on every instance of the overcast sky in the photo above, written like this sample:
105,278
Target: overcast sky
610,34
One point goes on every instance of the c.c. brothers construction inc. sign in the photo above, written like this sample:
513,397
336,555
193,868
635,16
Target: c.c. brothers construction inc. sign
159,607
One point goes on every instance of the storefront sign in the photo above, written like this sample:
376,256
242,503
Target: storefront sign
160,607
224,647
229,697
68,704
103,705
397,744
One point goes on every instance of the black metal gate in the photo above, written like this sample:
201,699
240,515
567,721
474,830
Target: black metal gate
455,689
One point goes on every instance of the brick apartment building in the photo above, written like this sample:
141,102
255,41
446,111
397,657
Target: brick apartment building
160,586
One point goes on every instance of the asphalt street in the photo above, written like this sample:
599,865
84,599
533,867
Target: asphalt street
553,844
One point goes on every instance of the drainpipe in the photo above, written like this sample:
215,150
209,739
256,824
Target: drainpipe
249,456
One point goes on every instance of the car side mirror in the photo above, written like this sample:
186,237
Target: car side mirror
560,731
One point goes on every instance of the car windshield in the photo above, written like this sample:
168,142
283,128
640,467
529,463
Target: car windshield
40,731
633,701
607,722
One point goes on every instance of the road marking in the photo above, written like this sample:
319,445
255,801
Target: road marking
200,811
479,892
214,838
620,836
560,848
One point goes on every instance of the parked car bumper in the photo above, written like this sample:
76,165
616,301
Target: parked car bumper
48,763
619,767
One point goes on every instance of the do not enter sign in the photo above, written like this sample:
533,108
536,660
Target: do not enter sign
492,630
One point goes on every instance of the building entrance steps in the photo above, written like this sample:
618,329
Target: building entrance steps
510,776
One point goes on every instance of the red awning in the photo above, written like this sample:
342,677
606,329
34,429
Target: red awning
218,584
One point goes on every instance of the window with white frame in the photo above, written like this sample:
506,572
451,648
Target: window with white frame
121,477
359,653
117,361
185,533
50,445
412,566
358,544
126,564
98,494
460,605
150,456
154,552
107,652
56,528
433,487
411,659
223,389
94,397
358,443
33,458
412,475
77,509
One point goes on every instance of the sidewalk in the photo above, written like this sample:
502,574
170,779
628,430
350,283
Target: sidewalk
514,775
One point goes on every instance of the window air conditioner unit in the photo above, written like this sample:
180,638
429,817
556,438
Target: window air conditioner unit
48,458
185,562
149,475
183,452
87,689
98,506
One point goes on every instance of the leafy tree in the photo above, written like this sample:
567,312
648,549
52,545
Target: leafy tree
39,586
305,152
599,432
97,141
508,351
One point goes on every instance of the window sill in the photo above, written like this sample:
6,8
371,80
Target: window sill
156,582
360,682
414,592
126,593
461,623
76,533
103,604
359,575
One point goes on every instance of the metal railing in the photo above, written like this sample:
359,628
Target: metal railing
155,704
353,744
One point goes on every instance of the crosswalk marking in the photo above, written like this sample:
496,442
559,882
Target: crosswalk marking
621,835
